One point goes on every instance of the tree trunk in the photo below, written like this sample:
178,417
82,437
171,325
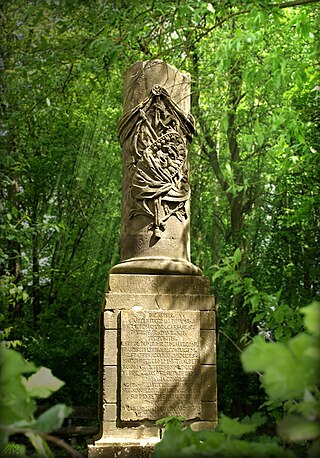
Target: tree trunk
36,262
236,197
14,248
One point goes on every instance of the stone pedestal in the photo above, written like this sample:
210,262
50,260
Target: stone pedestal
158,324
158,359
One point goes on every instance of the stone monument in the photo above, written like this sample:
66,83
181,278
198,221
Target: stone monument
158,354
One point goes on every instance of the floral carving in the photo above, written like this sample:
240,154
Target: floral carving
158,166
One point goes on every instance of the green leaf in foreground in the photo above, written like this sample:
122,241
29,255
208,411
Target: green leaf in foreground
233,427
287,369
295,428
12,365
15,404
40,445
172,421
52,419
312,317
43,383
237,256
12,449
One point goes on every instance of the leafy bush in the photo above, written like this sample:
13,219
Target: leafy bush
18,405
289,373
224,442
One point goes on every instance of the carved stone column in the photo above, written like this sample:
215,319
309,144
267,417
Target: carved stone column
155,133
158,355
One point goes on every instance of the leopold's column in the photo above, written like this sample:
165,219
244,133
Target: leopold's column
158,353
155,133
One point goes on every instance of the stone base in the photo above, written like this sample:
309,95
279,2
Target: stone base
121,449
158,358
160,265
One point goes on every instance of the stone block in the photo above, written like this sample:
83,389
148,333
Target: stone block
208,383
201,425
109,412
110,318
158,284
110,384
120,450
208,347
115,301
209,411
207,320
110,348
112,431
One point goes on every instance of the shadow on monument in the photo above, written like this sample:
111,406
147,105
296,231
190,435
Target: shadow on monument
186,389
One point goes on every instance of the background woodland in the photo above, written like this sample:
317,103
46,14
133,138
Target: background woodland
255,171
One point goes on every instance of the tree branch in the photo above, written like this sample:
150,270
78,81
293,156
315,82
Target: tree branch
212,155
293,3
271,5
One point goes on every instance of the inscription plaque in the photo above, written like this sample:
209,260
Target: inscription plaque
160,367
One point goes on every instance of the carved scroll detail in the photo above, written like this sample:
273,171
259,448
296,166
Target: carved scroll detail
158,166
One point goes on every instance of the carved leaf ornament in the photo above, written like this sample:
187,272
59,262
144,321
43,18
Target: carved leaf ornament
158,131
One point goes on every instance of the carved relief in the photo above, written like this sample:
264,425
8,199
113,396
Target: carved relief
158,166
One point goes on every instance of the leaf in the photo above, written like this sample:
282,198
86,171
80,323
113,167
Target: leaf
300,346
286,373
217,274
40,445
312,317
257,357
172,421
43,383
52,419
278,332
12,364
15,404
13,449
232,278
256,419
237,256
176,442
260,138
294,428
210,8
255,300
258,317
232,427
247,281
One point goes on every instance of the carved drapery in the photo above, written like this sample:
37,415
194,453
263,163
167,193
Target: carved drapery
158,162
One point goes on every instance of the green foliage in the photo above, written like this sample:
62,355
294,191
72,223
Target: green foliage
290,371
288,368
275,319
312,318
11,293
18,403
224,442
170,422
254,169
